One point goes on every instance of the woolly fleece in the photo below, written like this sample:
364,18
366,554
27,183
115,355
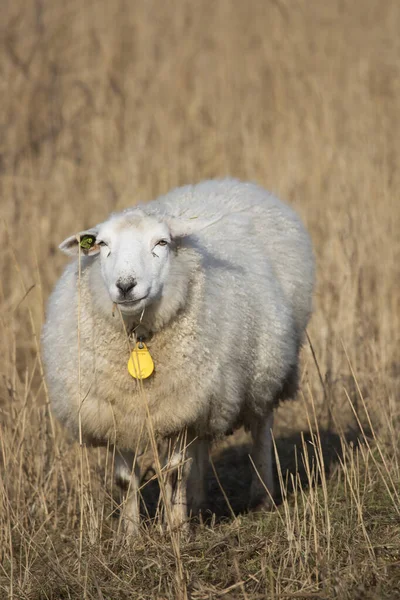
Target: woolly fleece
224,336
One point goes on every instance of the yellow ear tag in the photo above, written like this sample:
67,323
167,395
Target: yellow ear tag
140,363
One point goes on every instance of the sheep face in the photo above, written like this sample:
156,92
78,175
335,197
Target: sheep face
134,252
135,260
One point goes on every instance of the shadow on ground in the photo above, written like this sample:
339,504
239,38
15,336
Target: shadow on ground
234,470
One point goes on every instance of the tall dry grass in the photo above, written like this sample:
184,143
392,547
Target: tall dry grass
105,104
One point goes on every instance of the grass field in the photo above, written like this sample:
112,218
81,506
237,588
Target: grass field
105,104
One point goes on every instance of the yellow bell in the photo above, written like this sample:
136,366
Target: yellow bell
140,363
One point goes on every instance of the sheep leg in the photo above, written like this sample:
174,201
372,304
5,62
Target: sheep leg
196,493
127,477
184,484
262,458
175,513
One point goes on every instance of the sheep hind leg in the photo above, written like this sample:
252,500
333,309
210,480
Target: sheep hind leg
196,489
262,477
127,477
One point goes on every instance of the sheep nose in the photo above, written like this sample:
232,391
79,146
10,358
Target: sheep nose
126,285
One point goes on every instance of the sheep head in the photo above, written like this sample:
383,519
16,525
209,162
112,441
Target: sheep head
135,251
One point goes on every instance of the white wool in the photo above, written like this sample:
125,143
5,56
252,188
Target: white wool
226,301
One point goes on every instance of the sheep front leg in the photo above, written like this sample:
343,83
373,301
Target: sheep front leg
262,458
127,477
184,485
177,469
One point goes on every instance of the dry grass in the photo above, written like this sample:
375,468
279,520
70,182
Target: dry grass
108,103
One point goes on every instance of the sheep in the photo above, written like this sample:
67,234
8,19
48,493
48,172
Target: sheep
215,281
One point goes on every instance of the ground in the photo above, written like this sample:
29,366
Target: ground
107,104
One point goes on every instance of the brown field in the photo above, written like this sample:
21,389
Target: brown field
104,104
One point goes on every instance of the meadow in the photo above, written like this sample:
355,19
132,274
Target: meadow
105,104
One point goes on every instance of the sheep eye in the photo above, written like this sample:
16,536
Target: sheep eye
162,243
101,243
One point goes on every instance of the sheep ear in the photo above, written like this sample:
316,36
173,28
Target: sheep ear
84,240
180,227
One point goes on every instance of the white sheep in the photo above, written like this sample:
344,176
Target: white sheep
217,279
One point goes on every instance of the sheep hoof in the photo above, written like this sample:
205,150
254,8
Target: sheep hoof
265,504
130,529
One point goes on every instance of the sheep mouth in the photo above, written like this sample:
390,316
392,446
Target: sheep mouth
128,303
